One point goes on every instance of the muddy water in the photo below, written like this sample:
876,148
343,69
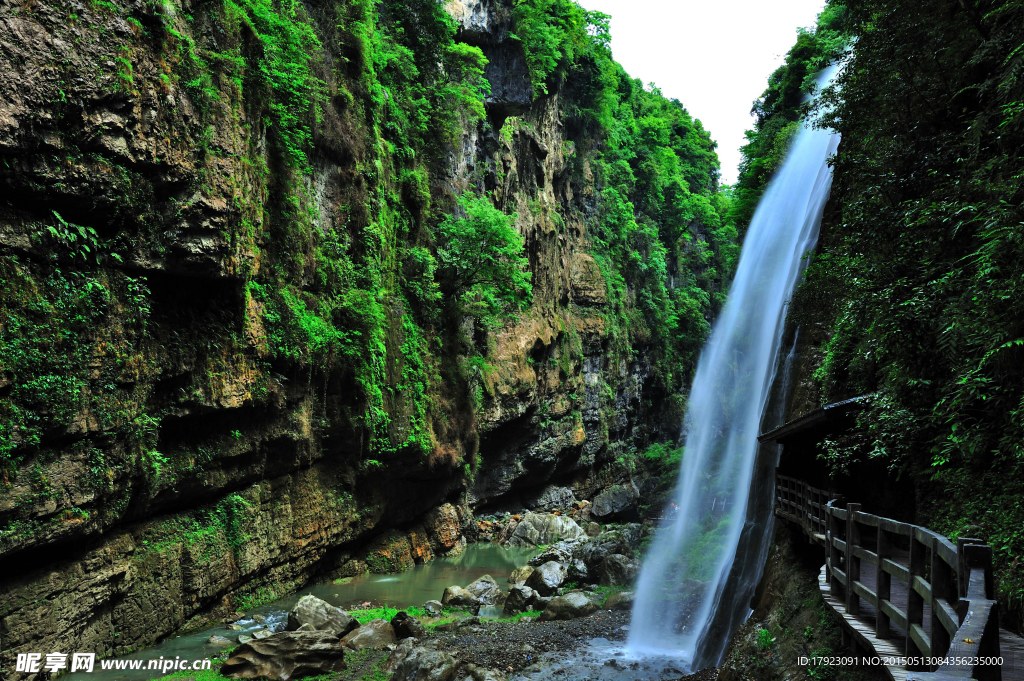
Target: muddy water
413,588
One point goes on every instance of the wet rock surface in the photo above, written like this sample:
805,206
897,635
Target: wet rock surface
546,578
567,607
374,634
407,626
536,529
286,655
321,616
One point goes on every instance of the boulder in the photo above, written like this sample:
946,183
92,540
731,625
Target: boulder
618,570
433,608
414,662
456,596
592,529
553,498
560,552
471,672
507,530
407,626
536,529
444,527
615,502
287,655
376,634
519,600
306,626
321,615
487,591
219,641
620,600
623,540
540,602
567,607
546,579
578,570
520,575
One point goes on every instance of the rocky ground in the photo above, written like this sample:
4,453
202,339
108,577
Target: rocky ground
515,646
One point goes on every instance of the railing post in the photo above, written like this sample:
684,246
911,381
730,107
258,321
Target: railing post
883,582
941,578
834,555
915,603
852,561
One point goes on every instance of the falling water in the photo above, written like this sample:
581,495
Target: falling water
692,592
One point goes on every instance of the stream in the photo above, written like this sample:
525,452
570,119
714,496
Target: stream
412,588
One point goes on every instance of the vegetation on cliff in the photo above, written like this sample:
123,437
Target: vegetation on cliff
918,277
256,251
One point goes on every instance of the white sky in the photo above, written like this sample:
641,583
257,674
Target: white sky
714,56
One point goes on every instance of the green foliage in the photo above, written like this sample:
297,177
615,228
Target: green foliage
781,110
384,613
921,267
480,261
765,640
555,34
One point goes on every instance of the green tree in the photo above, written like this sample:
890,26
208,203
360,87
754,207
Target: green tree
480,260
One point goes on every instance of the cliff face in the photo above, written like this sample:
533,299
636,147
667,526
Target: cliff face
170,452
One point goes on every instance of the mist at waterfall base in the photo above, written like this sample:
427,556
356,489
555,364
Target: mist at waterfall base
706,558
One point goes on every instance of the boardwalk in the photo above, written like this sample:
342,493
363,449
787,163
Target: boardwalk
936,598
862,628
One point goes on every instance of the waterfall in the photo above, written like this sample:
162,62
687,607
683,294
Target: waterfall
701,569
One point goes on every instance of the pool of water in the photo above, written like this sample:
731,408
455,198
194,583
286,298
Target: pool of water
413,588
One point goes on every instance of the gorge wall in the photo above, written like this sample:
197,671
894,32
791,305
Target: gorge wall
230,362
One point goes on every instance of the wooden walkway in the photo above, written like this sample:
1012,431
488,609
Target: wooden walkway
862,629
936,598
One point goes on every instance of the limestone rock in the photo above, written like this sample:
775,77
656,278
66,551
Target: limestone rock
561,552
620,600
459,597
519,600
443,526
618,570
593,529
615,502
321,615
407,626
520,575
546,579
553,498
412,662
433,608
471,672
287,655
567,607
374,634
536,529
623,540
306,627
390,552
487,591
219,641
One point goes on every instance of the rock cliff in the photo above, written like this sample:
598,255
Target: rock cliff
167,230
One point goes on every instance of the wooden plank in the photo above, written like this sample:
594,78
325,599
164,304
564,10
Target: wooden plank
895,614
898,571
865,593
922,587
866,519
865,555
920,638
947,615
839,544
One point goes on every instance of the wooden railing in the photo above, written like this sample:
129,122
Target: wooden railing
955,581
